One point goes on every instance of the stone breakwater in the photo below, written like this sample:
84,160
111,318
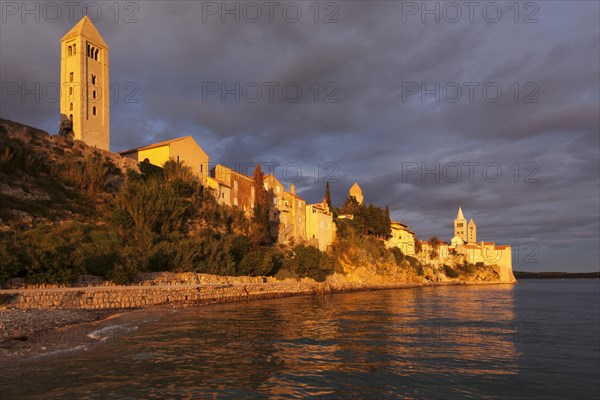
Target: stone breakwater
124,297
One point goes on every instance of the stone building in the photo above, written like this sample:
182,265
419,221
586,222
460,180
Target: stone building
465,243
220,190
183,149
287,212
401,237
85,85
320,228
235,189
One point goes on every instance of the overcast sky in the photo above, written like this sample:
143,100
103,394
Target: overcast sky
491,106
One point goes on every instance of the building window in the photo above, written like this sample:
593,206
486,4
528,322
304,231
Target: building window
71,107
93,79
94,94
71,77
71,117
88,50
71,90
94,110
70,50
277,189
74,49
201,168
96,55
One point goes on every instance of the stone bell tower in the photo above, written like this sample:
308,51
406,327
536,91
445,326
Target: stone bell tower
472,235
460,226
84,89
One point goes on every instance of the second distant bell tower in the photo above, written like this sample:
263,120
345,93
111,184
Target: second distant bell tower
84,81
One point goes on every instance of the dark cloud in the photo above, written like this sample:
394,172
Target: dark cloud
375,131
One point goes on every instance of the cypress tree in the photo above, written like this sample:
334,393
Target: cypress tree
328,196
261,234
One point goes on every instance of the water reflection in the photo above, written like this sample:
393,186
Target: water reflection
365,344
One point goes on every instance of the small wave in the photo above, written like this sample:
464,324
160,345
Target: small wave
114,331
59,351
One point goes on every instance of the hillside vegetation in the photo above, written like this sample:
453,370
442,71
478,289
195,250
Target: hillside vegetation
68,210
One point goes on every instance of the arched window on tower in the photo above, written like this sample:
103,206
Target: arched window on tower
88,50
71,90
71,117
71,107
70,77
94,110
96,55
70,51
94,94
74,49
93,79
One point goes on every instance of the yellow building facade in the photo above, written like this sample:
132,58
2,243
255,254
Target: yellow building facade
183,149
320,228
236,189
401,237
287,212
490,254
220,191
85,84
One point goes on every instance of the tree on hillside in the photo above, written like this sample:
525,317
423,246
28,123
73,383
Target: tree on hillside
367,221
328,196
434,242
260,232
418,246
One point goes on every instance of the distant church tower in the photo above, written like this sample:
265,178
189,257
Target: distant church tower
460,226
85,93
356,192
472,232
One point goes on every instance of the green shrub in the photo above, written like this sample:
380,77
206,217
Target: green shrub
182,188
89,175
154,206
175,170
121,219
310,262
261,262
239,247
416,265
398,256
150,171
468,268
17,156
450,272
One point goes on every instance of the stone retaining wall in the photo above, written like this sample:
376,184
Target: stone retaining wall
121,297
